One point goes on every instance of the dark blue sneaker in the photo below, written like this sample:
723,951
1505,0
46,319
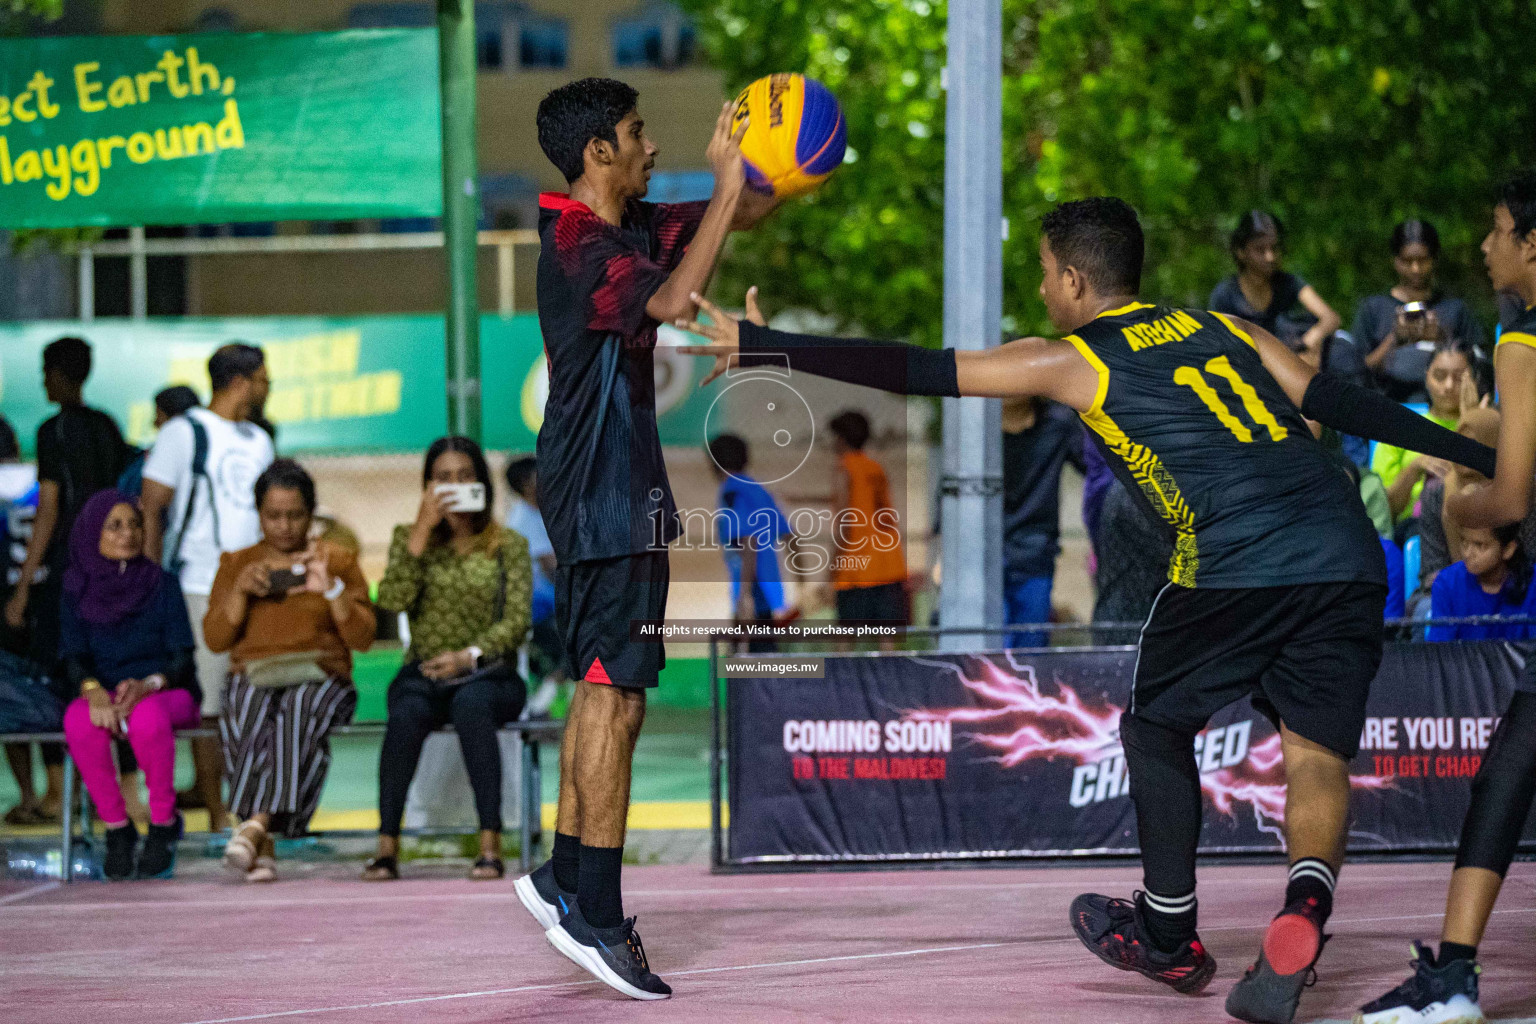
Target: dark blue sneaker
122,850
158,857
1443,994
545,900
614,956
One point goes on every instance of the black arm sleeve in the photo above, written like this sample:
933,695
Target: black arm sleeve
886,365
1346,407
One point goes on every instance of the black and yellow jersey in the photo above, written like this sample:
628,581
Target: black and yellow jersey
1188,418
1521,330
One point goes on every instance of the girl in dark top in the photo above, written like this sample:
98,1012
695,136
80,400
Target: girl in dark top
1262,293
1399,328
126,645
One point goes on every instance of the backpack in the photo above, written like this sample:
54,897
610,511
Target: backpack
172,559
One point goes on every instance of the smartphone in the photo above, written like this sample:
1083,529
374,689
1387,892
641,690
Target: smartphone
1414,310
280,581
463,497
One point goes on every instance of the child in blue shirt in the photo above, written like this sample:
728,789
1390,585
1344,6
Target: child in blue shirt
749,520
1493,578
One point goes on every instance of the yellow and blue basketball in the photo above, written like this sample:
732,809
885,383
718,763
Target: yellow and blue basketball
796,136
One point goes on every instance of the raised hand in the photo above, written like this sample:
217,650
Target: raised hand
724,150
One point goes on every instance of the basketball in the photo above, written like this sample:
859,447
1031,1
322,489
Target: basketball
796,136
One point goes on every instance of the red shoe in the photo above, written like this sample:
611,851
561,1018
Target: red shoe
1295,937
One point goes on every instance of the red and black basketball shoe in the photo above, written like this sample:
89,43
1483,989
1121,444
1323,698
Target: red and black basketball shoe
1115,931
1270,990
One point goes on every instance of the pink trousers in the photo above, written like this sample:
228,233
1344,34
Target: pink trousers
151,727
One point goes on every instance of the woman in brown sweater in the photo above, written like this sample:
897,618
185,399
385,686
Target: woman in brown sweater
290,613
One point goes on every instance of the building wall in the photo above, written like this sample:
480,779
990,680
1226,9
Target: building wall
679,106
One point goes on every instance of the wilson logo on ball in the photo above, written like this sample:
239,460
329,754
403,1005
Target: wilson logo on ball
796,137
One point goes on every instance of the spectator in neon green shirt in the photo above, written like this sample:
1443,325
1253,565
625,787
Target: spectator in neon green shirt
1404,472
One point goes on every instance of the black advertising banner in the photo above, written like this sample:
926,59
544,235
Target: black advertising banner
1017,754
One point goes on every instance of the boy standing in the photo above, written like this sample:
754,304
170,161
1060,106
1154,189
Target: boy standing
610,269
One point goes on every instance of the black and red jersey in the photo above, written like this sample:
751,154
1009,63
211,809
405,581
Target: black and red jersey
603,486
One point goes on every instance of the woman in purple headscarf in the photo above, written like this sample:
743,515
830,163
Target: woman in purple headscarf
126,643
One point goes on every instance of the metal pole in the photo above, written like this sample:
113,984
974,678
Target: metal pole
506,281
138,275
972,592
86,282
461,209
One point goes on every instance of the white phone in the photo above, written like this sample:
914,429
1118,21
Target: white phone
463,497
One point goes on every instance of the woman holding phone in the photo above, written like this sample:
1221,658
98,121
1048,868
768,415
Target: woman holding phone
465,584
1399,328
290,612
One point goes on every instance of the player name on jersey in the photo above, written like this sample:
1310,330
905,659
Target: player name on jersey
1159,332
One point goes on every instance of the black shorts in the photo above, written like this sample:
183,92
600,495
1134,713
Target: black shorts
595,602
884,602
1306,653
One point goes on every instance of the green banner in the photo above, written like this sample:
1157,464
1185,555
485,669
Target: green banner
339,384
126,130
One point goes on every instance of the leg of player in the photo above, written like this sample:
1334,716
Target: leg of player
1154,934
595,933
549,891
1444,989
1316,825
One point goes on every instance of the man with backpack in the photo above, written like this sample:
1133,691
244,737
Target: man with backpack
199,501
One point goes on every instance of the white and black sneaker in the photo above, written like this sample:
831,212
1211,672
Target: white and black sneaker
543,897
1434,994
613,956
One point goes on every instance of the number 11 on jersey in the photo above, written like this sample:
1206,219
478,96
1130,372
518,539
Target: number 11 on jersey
1257,411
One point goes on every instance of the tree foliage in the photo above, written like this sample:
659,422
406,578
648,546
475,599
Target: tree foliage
1342,118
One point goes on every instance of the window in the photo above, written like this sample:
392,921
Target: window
507,34
658,35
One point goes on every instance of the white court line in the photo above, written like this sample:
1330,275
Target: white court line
17,897
724,890
779,963
571,984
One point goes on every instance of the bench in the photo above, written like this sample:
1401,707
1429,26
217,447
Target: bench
530,735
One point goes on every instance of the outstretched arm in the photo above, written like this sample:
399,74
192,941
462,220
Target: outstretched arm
1026,367
1351,409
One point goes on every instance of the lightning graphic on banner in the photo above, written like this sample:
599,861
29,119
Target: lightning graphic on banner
1020,722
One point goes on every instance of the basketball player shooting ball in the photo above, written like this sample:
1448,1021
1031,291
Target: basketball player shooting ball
611,268
1276,585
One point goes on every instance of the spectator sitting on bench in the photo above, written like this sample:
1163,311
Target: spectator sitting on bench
466,585
126,646
289,612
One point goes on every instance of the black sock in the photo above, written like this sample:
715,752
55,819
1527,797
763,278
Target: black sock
598,892
1170,919
566,857
1455,951
1311,878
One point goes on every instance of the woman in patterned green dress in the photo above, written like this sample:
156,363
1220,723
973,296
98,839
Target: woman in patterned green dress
465,585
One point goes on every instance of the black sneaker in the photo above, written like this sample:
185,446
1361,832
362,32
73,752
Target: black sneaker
1444,994
543,897
122,844
613,956
1270,990
158,858
1115,931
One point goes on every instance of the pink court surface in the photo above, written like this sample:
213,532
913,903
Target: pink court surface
928,946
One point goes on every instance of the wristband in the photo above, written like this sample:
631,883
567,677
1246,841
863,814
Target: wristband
337,586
